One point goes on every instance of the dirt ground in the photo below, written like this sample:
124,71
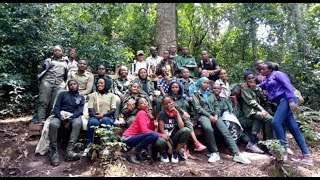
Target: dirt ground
17,158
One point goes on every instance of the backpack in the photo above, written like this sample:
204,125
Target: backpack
201,63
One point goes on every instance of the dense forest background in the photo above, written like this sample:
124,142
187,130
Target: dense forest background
235,34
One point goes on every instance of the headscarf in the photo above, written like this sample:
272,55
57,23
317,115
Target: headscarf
107,85
199,81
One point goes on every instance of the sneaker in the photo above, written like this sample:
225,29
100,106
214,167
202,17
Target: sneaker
175,158
199,147
213,157
306,159
254,148
241,159
164,157
289,151
86,150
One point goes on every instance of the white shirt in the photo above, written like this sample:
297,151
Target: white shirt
154,61
138,65
225,88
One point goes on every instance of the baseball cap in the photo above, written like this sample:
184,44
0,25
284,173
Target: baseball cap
140,52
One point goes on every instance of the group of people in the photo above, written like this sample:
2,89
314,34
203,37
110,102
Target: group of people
158,115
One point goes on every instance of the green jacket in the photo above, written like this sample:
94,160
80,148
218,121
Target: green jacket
252,99
188,62
224,105
150,86
201,107
181,105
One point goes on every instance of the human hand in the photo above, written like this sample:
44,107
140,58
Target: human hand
213,119
264,113
99,115
189,99
185,116
293,106
165,136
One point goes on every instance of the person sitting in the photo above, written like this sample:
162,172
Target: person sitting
188,86
171,123
175,92
67,113
120,86
222,81
253,98
84,77
226,113
128,109
141,133
101,107
205,73
206,108
209,64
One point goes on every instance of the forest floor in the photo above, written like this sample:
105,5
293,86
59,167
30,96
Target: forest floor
17,158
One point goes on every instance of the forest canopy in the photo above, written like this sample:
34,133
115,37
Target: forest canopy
235,34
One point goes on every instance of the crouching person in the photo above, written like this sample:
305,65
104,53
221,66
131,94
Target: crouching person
141,133
170,123
67,114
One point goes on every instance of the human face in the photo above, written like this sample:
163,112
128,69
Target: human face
101,70
204,73
123,71
251,79
185,73
175,88
135,88
216,89
57,52
73,86
140,57
185,50
164,72
204,55
72,53
173,49
143,74
165,54
223,75
153,51
82,65
204,85
101,84
264,69
168,104
142,104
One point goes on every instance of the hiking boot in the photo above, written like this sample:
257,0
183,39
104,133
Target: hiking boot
241,159
254,148
213,157
70,154
54,156
304,159
175,158
199,147
164,157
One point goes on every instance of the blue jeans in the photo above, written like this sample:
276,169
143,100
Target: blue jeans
141,141
285,115
95,122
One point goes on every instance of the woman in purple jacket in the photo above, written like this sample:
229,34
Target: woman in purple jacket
281,91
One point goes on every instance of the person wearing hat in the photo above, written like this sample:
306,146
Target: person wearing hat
141,63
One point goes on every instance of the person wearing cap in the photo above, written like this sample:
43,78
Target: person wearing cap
141,63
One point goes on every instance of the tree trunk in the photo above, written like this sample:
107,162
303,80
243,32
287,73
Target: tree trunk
166,33
253,32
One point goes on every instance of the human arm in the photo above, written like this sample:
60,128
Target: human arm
198,106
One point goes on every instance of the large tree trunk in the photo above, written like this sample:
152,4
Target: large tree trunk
166,33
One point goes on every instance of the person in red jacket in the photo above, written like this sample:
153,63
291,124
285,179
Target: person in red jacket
141,132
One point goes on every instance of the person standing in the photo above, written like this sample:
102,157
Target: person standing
187,61
281,92
153,61
84,77
67,114
141,63
209,64
52,78
72,63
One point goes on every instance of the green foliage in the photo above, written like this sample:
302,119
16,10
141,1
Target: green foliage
275,146
306,117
